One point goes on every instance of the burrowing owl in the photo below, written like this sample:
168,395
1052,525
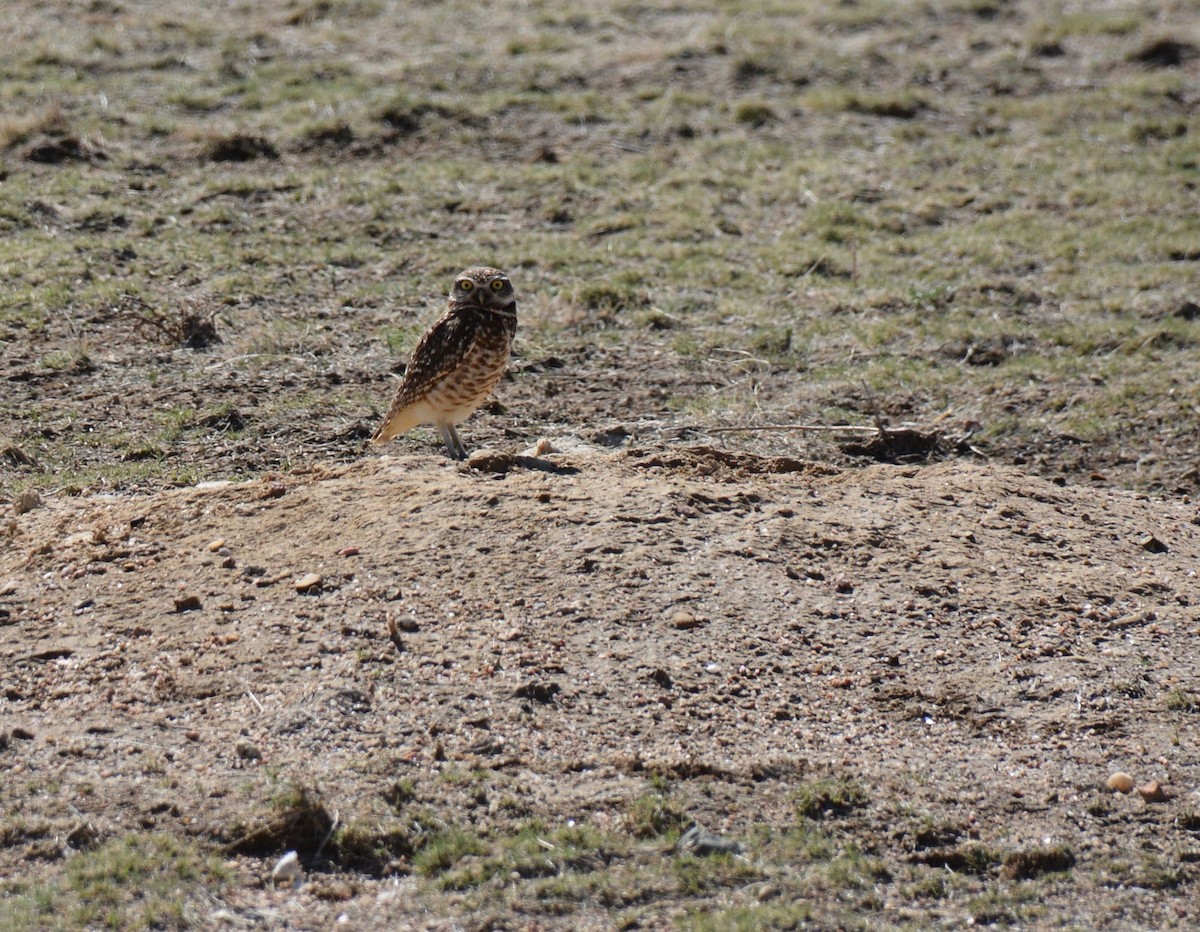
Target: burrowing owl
458,361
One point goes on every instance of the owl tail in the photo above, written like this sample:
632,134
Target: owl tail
396,423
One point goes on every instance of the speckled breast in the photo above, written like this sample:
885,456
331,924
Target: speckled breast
465,389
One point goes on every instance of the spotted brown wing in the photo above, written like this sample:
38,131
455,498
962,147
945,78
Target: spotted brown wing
438,353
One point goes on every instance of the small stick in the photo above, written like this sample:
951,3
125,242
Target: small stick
254,699
328,835
855,428
136,744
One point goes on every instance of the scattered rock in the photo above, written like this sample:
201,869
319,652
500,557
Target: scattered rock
491,461
1153,792
699,841
188,603
1120,782
543,447
1152,544
247,751
26,501
51,653
685,620
309,582
22,734
216,545
612,436
8,587
538,692
288,870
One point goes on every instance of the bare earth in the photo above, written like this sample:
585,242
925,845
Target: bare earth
975,648
497,695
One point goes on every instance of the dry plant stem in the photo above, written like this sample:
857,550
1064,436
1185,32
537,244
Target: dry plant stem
852,428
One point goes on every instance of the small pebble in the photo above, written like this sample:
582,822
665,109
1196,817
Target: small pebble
701,842
308,582
494,461
543,446
26,501
287,869
1153,792
188,603
349,552
684,620
1152,544
216,545
1120,782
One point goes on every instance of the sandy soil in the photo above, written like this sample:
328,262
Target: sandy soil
976,648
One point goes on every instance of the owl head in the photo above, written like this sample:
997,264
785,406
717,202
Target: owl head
483,287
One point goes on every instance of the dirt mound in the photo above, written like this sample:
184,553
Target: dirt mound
974,650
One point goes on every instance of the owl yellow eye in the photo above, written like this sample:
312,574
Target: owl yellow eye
498,285
466,285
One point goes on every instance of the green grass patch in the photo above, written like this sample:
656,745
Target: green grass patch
132,882
819,799
747,196
444,848
788,915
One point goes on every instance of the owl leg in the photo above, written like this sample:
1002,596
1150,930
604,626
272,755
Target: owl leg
453,442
